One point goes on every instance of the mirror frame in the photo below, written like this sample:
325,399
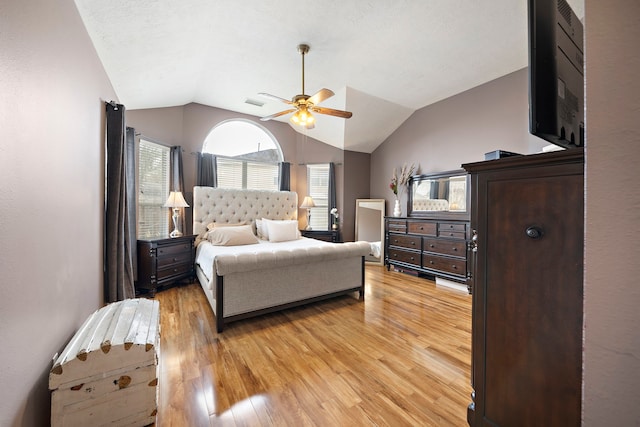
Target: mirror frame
414,180
382,203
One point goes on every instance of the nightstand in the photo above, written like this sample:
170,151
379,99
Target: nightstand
326,235
164,261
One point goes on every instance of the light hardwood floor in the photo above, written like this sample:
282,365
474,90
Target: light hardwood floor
401,357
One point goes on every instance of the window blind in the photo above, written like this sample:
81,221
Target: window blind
153,190
318,189
233,173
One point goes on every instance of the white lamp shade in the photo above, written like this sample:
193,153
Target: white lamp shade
307,203
176,200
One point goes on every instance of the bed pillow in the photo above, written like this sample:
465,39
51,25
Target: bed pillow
259,230
282,231
232,236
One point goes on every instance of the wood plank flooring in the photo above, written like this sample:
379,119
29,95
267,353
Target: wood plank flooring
400,358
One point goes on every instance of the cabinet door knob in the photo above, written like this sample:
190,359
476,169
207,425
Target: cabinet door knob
534,232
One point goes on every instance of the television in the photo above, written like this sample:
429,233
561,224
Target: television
556,73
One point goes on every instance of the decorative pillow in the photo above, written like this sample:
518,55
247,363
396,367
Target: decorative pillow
232,236
282,231
259,230
214,225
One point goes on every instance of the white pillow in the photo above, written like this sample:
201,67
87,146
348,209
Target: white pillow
281,231
232,236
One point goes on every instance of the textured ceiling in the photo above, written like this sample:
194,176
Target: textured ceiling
384,59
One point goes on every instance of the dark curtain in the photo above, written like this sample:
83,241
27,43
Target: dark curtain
285,176
332,191
435,190
118,258
177,180
206,170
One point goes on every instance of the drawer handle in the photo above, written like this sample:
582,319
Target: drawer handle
455,267
175,259
432,245
534,232
455,249
431,262
413,243
421,228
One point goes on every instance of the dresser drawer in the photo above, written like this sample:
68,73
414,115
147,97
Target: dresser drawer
426,228
397,255
452,226
411,242
445,246
453,234
445,264
396,225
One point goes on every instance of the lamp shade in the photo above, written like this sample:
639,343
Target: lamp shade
176,200
307,203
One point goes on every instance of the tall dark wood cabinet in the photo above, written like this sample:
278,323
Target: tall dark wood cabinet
527,225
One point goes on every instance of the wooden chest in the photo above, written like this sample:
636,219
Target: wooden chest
107,374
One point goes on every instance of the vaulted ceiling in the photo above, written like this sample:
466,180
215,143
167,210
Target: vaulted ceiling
384,59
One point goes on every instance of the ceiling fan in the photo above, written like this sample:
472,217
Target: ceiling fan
303,105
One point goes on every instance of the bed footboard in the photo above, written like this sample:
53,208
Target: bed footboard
243,295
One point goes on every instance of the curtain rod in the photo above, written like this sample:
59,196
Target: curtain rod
319,163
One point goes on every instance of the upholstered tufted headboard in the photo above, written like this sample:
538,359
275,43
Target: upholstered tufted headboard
234,206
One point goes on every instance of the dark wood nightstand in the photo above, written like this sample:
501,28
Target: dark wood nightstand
164,261
326,235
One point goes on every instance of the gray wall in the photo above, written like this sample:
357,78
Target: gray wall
458,130
52,87
612,293
356,186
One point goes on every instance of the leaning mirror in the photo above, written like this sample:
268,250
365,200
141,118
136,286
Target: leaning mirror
442,194
370,227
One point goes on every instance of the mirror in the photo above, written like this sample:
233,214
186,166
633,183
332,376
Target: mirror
370,227
442,194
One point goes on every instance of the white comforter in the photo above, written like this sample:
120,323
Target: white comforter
206,252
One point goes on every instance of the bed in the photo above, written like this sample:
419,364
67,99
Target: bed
253,279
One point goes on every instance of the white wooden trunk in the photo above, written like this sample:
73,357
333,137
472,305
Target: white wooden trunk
107,374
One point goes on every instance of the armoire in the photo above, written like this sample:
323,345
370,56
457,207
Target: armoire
527,219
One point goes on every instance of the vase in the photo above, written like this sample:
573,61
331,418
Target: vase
396,209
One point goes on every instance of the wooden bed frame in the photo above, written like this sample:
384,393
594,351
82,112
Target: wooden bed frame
247,285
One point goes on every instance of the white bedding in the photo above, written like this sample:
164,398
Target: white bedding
206,252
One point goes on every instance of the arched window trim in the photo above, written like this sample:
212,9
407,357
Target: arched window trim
251,122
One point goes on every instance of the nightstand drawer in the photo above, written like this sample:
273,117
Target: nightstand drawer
173,258
168,250
173,271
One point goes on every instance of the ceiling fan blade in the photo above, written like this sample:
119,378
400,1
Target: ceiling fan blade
332,112
281,113
277,98
320,96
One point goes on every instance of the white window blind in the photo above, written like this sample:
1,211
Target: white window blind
153,190
234,173
318,189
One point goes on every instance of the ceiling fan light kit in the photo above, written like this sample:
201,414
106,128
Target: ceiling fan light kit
303,105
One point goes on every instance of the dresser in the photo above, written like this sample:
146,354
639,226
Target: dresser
527,220
164,261
427,246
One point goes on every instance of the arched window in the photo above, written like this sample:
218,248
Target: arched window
247,155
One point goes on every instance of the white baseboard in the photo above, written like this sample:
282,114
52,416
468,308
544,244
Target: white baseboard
452,285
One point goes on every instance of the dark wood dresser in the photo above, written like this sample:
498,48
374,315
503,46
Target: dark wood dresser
427,246
527,220
164,261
